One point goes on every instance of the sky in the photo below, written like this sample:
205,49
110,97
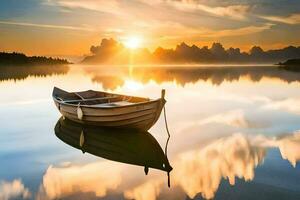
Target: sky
70,27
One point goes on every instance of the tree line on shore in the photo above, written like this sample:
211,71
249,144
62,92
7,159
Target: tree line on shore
17,59
114,52
110,51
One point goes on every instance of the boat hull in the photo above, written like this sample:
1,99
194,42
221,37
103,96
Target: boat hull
140,116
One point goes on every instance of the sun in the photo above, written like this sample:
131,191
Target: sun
133,42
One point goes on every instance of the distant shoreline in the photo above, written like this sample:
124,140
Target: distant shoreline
291,65
112,52
20,59
290,62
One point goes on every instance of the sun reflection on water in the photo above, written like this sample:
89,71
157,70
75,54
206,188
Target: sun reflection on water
132,85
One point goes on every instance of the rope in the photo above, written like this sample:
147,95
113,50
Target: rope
166,123
166,147
81,97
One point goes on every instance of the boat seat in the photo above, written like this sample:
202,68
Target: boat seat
113,104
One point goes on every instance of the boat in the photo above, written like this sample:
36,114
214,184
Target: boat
109,109
121,145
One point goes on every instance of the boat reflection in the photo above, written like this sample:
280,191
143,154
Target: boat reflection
126,146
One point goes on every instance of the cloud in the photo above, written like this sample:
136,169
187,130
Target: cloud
98,177
291,105
289,147
234,118
292,19
183,32
202,170
226,158
146,191
13,189
210,33
111,6
248,30
78,28
233,11
199,170
237,12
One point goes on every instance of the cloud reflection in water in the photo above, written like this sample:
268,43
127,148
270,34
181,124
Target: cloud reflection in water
14,189
197,171
201,171
98,177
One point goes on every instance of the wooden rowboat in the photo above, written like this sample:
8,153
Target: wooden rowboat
108,109
126,146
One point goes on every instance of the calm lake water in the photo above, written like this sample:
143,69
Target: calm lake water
235,134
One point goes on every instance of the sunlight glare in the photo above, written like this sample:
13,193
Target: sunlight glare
133,42
133,85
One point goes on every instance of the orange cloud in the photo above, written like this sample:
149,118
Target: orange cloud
146,191
289,147
98,177
201,171
234,11
292,19
183,33
248,30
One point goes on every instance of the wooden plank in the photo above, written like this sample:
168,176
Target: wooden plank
92,99
112,123
109,111
114,117
143,125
